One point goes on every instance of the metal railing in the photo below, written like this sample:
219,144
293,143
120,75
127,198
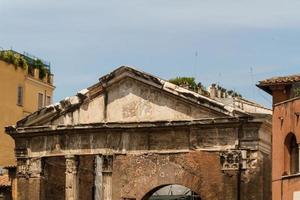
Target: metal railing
34,58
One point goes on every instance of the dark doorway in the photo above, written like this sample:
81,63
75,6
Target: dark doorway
86,177
172,192
54,178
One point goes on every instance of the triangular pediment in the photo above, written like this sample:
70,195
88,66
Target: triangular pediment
128,95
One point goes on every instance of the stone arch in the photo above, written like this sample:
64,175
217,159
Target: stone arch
185,180
199,171
151,192
291,154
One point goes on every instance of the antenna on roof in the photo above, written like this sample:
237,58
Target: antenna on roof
196,63
219,78
252,84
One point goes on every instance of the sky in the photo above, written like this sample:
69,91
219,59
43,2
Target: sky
232,43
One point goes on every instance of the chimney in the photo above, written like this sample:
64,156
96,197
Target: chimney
213,91
219,93
199,90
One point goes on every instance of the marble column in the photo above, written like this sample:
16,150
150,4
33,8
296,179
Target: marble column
103,177
22,179
98,177
71,178
29,180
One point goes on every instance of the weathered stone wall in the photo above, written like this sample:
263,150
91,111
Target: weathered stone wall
290,185
89,112
135,140
134,176
132,133
131,100
147,158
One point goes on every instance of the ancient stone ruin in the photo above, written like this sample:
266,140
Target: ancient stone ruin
132,133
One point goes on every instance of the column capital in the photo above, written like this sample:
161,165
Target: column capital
107,163
71,163
29,167
35,167
22,168
230,159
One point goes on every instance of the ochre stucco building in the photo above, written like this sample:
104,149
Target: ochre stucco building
132,133
23,90
285,135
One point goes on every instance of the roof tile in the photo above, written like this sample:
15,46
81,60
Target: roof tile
280,80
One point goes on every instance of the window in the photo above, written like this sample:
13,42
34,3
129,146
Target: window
40,100
291,154
20,96
48,100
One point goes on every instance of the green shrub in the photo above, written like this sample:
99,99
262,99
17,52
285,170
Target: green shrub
185,81
19,61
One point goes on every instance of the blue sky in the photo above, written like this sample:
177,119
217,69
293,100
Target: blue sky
214,41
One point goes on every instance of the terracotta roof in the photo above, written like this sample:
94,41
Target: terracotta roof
4,181
280,80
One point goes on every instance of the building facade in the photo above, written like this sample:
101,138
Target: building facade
285,136
132,134
26,86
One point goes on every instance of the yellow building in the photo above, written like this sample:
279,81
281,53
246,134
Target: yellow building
26,84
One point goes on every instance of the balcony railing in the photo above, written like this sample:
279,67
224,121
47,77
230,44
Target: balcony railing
35,66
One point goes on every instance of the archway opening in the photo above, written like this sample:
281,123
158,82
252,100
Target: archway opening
172,192
291,154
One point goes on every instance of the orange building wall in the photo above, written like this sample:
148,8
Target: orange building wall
285,121
290,185
10,78
10,112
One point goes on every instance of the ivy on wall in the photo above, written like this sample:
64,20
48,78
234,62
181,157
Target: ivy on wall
19,61
13,58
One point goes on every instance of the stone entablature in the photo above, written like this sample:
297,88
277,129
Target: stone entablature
119,138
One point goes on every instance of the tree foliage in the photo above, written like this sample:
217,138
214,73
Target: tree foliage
188,82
